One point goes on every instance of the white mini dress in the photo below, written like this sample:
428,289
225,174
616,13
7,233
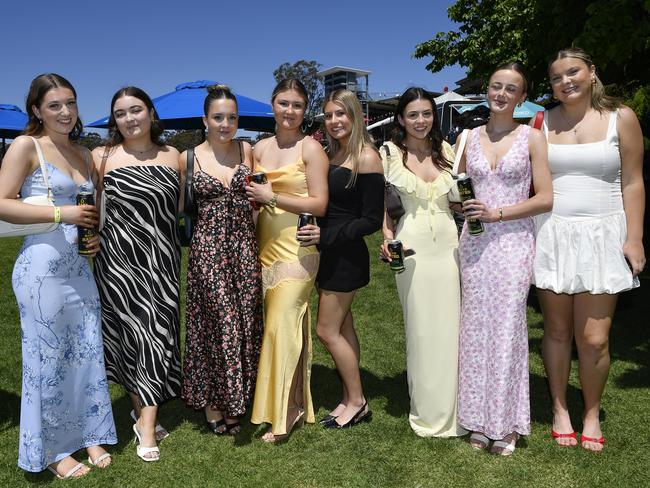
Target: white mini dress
580,242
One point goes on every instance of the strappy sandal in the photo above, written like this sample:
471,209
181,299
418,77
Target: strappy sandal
570,435
160,431
507,447
480,438
297,422
70,473
598,440
142,451
234,428
99,459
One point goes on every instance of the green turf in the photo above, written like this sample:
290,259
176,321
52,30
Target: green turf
382,453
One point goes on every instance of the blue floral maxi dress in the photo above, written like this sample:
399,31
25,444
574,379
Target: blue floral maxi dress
65,404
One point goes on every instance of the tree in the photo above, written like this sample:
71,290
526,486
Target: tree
183,139
616,33
91,140
307,72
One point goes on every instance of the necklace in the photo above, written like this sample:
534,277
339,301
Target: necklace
224,157
141,153
575,126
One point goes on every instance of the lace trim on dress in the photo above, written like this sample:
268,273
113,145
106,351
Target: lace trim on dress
302,270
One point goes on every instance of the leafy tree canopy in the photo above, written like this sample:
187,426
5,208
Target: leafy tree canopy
616,33
307,72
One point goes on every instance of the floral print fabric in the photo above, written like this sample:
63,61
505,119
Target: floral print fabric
65,404
224,298
496,273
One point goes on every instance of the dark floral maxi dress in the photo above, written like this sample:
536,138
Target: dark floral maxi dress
224,298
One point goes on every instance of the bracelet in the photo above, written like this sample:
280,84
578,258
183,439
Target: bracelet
57,215
273,201
500,214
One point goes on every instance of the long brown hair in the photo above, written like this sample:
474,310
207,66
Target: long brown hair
359,137
599,100
37,90
435,135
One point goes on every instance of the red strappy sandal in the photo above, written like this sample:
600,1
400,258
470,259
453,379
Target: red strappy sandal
584,438
572,435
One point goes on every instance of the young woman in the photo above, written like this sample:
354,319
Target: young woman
418,163
355,209
65,401
595,155
138,268
497,266
224,279
296,168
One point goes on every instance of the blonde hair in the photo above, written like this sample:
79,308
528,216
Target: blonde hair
359,137
599,100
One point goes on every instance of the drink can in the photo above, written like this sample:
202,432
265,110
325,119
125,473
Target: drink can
396,252
84,234
466,192
258,177
305,218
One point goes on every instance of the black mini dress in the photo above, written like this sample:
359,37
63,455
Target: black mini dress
352,213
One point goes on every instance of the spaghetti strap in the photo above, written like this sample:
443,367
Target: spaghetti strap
196,160
89,173
241,160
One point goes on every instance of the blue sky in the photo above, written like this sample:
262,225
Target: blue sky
156,45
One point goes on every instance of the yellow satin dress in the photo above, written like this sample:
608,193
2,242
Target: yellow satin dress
288,274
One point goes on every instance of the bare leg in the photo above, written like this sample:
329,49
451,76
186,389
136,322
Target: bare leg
350,335
556,352
593,320
333,307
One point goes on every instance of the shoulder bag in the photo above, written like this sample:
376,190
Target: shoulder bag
392,200
8,229
454,195
100,201
189,203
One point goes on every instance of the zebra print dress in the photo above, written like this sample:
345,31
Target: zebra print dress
137,273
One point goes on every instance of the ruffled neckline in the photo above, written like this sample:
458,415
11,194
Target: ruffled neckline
405,180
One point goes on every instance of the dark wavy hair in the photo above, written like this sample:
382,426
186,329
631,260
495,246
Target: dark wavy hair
435,135
37,90
114,136
218,92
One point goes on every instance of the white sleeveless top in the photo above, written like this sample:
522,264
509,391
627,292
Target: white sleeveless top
579,246
586,177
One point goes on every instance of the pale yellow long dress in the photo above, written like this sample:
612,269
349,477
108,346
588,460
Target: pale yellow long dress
429,291
288,273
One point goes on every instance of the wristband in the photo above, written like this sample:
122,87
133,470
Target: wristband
273,201
57,215
500,214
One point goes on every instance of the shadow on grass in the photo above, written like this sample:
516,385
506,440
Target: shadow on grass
326,389
10,411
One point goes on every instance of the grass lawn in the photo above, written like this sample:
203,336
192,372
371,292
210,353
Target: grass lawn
382,453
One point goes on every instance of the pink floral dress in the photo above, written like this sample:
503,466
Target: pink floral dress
496,271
